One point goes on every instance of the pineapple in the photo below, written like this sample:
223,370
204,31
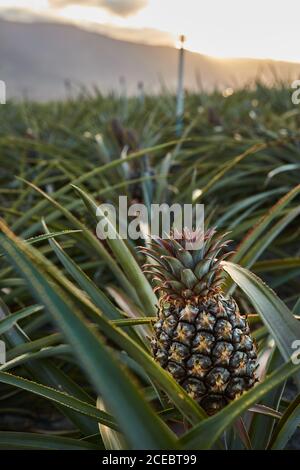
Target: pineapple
200,336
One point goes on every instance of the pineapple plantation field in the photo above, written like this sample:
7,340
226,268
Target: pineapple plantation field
92,356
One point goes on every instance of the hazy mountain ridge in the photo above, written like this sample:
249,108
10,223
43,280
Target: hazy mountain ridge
37,58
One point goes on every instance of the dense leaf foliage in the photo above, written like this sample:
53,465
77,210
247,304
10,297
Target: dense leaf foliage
76,313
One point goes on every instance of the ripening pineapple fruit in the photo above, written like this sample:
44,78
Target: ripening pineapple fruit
200,336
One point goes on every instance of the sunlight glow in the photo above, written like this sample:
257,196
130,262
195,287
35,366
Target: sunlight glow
260,29
31,4
80,14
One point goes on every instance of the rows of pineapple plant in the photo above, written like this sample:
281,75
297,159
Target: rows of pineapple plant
76,313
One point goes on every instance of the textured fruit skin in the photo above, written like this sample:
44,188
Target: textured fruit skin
200,336
207,348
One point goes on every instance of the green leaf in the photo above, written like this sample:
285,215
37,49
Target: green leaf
281,169
276,264
48,236
296,308
242,205
112,439
125,259
134,321
259,229
89,237
58,397
52,351
162,183
35,345
87,176
24,440
140,424
228,166
265,411
8,322
266,239
189,408
287,425
261,427
44,371
88,286
274,313
96,295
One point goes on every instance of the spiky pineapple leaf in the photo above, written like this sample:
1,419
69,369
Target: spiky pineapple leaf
34,345
51,351
84,176
124,257
265,411
141,425
47,236
287,425
84,281
243,204
266,239
27,440
189,408
275,314
228,166
58,397
7,322
256,232
261,427
46,372
276,264
89,237
112,439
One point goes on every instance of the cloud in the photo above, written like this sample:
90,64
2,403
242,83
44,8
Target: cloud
22,15
117,7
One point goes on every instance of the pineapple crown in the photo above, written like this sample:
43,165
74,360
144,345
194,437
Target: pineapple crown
183,275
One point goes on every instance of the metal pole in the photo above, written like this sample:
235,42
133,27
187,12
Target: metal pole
141,93
180,89
123,86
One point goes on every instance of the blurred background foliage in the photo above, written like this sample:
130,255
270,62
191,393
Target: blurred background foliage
239,155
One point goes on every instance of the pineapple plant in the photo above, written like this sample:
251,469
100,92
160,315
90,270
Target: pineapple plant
200,336
75,312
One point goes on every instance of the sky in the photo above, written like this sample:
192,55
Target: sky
219,28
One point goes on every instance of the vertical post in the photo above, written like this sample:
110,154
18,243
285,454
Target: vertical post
141,93
2,352
123,96
2,92
180,88
123,86
68,88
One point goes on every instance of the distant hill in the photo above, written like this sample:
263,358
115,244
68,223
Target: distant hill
37,58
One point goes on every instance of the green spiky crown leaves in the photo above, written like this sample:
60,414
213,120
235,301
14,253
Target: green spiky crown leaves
184,275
